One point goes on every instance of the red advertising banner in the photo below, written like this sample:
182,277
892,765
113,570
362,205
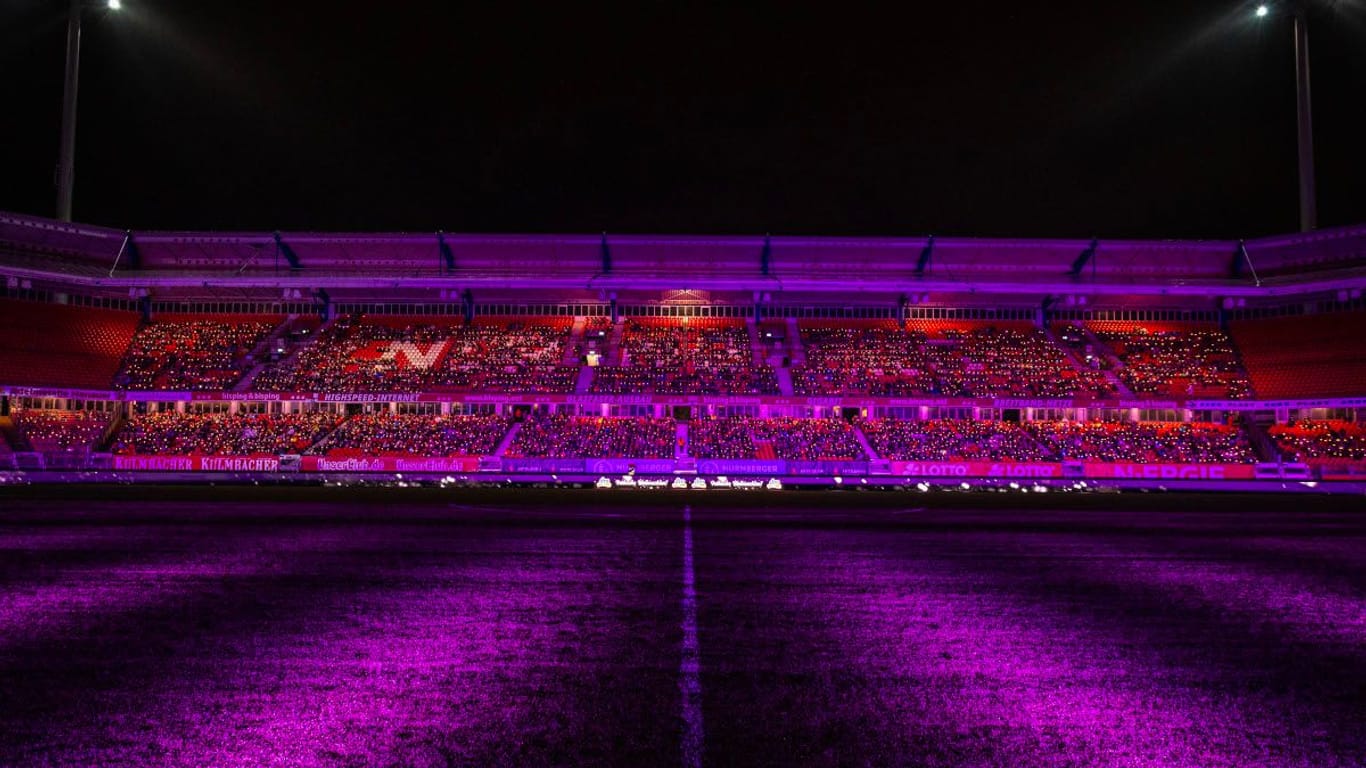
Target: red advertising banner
455,464
1169,471
975,469
198,463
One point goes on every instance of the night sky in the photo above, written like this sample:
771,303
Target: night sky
1105,119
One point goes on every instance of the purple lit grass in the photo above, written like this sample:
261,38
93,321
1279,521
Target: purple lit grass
244,635
334,646
988,649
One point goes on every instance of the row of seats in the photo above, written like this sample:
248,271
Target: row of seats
48,431
415,435
171,433
1175,360
776,438
562,436
54,345
1321,441
1307,356
1145,442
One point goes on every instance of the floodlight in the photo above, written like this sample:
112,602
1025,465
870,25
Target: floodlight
1262,10
115,5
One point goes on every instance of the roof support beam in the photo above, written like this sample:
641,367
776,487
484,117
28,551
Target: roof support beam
1079,263
447,255
282,249
765,256
1241,257
926,254
606,256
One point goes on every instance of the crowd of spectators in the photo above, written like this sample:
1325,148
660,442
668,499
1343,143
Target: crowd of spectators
950,440
562,436
1175,361
936,360
774,438
199,354
700,356
381,355
386,434
1321,441
51,431
219,434
1146,442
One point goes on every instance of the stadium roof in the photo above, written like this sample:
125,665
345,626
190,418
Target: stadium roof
102,257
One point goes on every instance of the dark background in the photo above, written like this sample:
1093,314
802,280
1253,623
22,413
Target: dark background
1110,119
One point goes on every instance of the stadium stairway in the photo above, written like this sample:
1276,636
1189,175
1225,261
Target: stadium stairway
585,380
1080,365
506,442
110,434
575,342
612,355
794,343
784,377
245,384
1262,443
867,446
681,441
756,345
9,434
260,352
1114,363
319,446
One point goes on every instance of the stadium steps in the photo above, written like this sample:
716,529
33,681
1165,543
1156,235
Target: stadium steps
319,446
1262,443
613,354
1047,450
506,442
287,362
244,384
863,441
576,342
794,342
756,345
9,434
681,441
111,432
262,349
1080,365
1115,364
585,380
784,377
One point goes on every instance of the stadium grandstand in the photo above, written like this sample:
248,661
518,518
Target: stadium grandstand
684,356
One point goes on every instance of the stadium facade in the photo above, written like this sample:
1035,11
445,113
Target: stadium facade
684,356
